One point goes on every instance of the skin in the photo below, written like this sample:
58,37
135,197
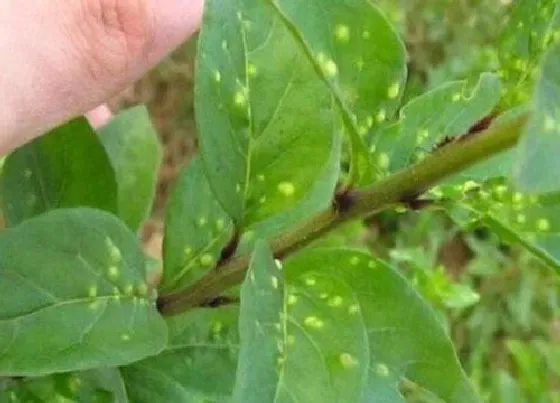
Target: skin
63,58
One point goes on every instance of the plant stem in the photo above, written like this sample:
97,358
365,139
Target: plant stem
393,189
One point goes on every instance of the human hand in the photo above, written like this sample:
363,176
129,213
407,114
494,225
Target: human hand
62,58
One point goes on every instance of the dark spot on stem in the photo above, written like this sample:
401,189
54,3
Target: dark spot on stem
160,304
230,249
480,126
219,301
443,142
413,201
344,200
280,254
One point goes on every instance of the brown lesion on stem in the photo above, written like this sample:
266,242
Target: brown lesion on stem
229,250
480,126
343,200
406,185
415,201
443,142
217,302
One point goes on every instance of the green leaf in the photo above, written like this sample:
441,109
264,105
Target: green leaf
482,195
105,379
396,348
537,151
67,167
307,351
135,153
318,199
434,284
529,220
460,296
196,229
266,120
323,337
530,29
75,281
361,58
446,111
99,385
198,365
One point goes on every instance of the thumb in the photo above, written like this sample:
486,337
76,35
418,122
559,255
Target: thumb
62,58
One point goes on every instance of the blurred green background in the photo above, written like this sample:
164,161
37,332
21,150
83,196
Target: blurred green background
501,306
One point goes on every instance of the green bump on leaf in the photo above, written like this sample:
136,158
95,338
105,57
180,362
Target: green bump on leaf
99,385
532,27
395,347
529,220
448,110
98,323
316,200
135,153
190,248
537,153
266,119
67,167
198,364
310,349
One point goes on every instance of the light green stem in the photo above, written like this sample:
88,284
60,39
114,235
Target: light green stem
409,182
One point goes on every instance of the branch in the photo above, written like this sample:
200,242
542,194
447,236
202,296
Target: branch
414,180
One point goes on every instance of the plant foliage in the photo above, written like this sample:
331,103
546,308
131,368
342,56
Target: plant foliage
308,119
